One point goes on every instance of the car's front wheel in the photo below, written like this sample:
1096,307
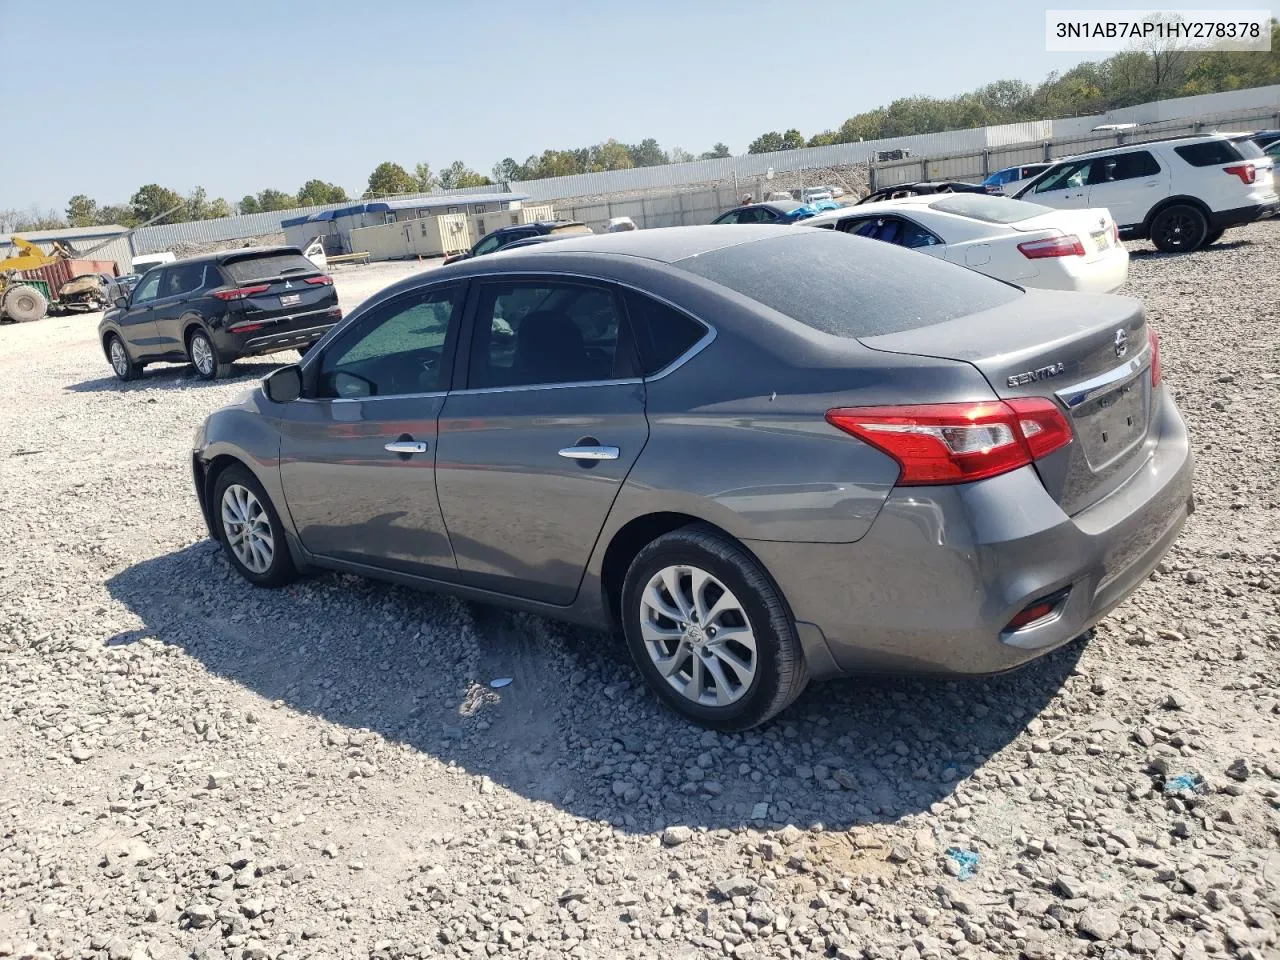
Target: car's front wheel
1213,236
204,356
1180,228
710,631
123,365
250,530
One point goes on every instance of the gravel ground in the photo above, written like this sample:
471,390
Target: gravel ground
192,767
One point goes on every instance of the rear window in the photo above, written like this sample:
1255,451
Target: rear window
1209,153
848,286
264,266
977,206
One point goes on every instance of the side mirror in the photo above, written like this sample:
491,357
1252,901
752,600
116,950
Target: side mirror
284,385
122,302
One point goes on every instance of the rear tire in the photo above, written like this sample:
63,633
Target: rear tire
1180,228
122,365
250,530
1212,237
24,304
204,356
710,631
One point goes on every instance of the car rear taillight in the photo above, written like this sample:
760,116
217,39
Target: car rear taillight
1053,247
945,443
1115,232
322,281
1247,172
1154,339
240,293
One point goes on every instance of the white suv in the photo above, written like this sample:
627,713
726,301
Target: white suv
1180,193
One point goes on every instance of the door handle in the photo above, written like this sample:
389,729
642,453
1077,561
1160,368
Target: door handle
405,446
590,453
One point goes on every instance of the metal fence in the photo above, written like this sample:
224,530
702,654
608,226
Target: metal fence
955,150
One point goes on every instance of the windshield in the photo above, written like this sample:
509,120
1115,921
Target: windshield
979,206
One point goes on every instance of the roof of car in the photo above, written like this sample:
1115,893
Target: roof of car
662,244
1137,145
220,256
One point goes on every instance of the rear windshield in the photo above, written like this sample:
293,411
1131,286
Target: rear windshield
263,266
848,286
1209,153
977,206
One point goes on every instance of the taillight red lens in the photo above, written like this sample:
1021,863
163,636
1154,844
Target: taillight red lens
322,281
945,443
1115,232
1156,373
1052,247
1247,172
241,292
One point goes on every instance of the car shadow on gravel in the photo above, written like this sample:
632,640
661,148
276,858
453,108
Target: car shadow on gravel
574,727
176,376
1151,253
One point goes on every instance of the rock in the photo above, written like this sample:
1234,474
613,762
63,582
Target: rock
1239,769
1176,701
218,779
1072,888
200,916
81,754
735,886
674,836
899,854
1098,924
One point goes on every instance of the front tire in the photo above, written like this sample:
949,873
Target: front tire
710,632
250,530
122,365
204,356
1180,228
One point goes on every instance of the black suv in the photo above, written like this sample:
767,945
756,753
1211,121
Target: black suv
214,309
499,239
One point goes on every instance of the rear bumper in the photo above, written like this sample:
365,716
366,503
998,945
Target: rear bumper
1106,274
1239,216
281,333
943,570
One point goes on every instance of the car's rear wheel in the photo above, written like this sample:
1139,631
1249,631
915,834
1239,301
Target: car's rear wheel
1213,236
1180,228
122,365
710,631
204,356
250,530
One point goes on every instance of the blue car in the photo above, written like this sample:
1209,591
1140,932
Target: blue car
998,181
771,211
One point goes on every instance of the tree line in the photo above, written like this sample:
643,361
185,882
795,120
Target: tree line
1131,77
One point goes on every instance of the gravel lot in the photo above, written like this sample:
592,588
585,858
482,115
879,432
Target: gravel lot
193,767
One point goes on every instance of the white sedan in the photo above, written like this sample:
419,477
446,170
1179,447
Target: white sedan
1022,243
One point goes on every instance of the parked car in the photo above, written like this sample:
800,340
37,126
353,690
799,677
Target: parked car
122,286
765,455
85,293
1265,138
814,194
144,262
1010,179
921,188
214,309
497,239
1181,193
771,211
1010,240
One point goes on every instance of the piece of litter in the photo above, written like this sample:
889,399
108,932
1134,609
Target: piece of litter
1183,781
966,862
499,683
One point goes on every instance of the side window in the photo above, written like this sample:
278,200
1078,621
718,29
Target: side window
529,333
732,217
1067,176
147,288
212,277
1123,166
181,279
662,333
488,244
859,227
397,350
914,235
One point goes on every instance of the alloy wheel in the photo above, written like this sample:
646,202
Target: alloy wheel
119,359
698,635
247,528
202,354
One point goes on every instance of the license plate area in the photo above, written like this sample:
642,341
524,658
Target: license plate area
1101,239
1109,424
290,299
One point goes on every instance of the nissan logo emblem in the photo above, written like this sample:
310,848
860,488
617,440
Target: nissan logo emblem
1122,343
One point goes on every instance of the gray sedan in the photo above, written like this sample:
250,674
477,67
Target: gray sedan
766,455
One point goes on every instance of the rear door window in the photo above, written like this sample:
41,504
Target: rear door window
182,279
843,287
662,333
268,266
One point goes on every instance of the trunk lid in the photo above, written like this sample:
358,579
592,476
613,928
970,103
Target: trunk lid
1095,228
1089,353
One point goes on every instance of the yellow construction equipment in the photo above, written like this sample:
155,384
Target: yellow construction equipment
19,300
